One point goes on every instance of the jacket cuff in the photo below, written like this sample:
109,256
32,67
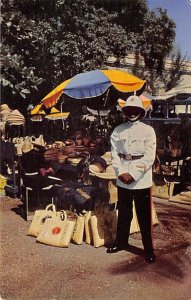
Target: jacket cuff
120,171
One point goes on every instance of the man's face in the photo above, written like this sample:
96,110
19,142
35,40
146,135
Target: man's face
132,113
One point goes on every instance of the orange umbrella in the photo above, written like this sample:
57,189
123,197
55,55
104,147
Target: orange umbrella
93,84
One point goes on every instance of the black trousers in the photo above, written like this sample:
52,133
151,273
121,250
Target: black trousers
143,206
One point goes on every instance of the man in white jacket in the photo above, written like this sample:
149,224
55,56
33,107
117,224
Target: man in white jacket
133,148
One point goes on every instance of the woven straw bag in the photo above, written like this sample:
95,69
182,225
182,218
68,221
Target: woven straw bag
155,220
18,142
77,237
98,229
162,190
104,226
183,197
57,231
88,228
38,141
27,145
39,218
112,189
134,223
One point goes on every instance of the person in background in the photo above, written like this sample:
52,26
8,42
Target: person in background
133,149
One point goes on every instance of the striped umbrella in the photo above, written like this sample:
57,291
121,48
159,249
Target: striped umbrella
93,84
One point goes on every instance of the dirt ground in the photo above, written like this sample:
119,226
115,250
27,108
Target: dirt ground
32,271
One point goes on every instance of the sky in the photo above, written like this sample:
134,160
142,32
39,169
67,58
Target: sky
180,12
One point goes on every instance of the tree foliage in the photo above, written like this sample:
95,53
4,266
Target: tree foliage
154,47
172,76
45,42
156,42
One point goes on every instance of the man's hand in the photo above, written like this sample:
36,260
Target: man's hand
126,178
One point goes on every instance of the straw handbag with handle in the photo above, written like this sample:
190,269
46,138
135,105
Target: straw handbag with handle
77,237
134,223
27,145
38,141
57,231
112,189
104,226
162,189
18,142
88,229
39,219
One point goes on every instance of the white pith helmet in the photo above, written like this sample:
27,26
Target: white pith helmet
134,101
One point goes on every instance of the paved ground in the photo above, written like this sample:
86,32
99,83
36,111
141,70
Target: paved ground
32,271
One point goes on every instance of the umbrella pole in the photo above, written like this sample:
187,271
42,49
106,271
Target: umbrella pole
99,120
63,121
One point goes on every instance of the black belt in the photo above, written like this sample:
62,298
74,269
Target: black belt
129,156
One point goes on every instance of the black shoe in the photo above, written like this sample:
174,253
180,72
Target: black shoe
150,258
116,248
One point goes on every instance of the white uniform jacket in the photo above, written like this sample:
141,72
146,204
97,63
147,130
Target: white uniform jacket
134,138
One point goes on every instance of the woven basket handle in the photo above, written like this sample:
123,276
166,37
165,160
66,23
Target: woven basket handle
63,215
32,138
51,206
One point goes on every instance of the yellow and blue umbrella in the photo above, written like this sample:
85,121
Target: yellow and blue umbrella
37,110
54,114
93,84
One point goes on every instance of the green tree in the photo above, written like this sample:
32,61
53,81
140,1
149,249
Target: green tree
153,34
48,41
129,13
156,42
19,77
154,45
86,38
52,41
171,76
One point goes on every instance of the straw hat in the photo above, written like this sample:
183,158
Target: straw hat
3,115
98,164
4,107
107,157
108,174
96,168
4,112
15,118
